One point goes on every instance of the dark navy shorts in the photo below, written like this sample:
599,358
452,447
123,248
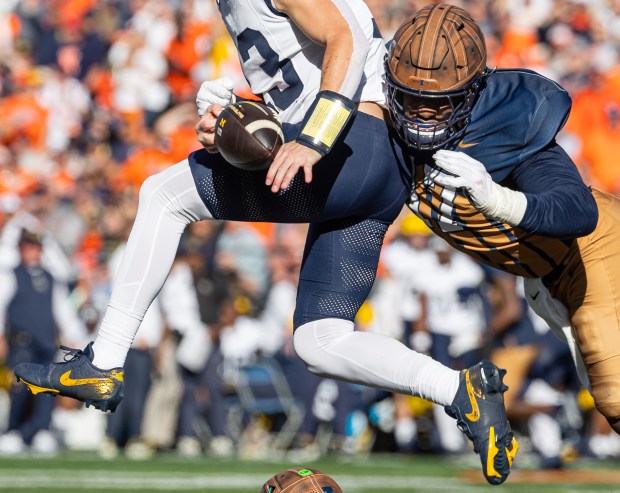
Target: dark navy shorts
357,190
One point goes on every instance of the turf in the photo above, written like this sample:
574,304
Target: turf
166,473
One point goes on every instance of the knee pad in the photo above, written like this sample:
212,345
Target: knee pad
313,339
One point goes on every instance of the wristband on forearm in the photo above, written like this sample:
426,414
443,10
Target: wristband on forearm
325,121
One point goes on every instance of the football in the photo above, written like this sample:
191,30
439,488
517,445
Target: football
248,135
301,480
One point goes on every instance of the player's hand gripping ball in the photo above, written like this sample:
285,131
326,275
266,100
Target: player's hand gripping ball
248,135
301,480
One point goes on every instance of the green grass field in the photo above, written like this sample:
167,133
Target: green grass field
75,472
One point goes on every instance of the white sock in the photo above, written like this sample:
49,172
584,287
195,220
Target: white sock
434,381
114,338
331,348
169,202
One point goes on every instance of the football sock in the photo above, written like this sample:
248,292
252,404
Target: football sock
114,338
169,202
331,348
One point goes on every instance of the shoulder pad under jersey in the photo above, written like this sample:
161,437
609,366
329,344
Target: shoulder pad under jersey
518,113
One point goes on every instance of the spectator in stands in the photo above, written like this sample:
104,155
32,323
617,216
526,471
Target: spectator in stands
239,247
198,300
203,400
35,312
540,370
403,258
450,289
124,428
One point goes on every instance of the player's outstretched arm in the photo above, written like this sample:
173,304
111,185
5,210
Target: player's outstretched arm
330,23
551,199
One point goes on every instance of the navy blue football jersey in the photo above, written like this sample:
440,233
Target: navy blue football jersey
515,121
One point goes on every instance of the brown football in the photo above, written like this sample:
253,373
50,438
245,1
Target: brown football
301,480
248,135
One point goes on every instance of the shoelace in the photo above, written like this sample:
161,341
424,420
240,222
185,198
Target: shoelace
71,353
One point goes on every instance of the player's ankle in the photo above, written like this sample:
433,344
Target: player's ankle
107,355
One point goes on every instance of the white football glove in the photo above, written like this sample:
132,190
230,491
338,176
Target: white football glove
458,170
217,91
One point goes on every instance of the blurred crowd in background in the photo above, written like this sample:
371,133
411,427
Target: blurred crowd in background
96,95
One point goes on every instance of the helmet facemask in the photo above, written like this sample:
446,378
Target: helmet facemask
434,71
412,114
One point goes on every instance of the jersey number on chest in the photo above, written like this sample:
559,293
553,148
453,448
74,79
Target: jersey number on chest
288,85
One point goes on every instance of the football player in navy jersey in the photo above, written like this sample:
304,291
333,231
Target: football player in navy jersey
319,63
490,178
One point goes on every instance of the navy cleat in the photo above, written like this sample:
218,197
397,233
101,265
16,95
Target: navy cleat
478,408
76,377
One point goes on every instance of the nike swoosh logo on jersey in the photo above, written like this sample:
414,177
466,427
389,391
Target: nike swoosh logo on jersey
465,145
475,410
67,381
534,296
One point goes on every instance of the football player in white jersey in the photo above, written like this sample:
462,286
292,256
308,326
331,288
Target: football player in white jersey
339,61
319,64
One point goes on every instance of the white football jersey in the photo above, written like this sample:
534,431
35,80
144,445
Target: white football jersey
283,65
449,312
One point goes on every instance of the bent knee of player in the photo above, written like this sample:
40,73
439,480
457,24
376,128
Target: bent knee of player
156,190
173,192
307,347
313,341
148,189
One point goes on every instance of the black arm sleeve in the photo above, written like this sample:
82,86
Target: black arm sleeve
559,203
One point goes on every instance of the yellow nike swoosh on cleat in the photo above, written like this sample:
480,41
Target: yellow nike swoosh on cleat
475,410
67,381
464,145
